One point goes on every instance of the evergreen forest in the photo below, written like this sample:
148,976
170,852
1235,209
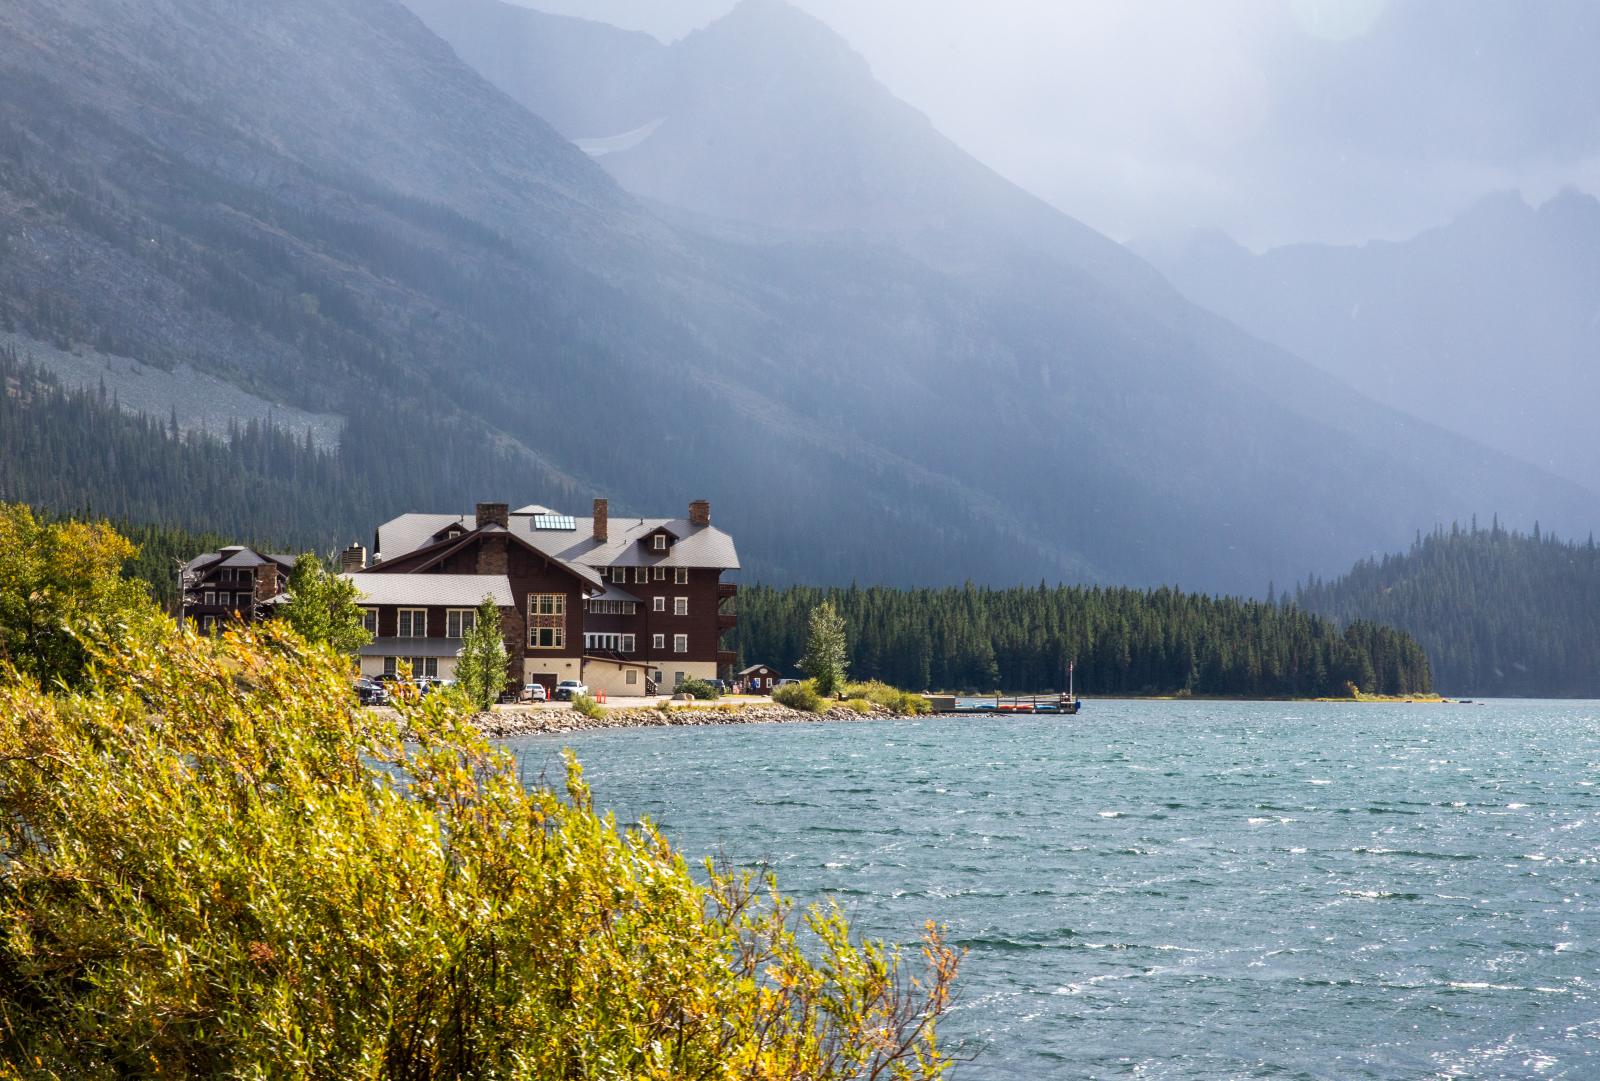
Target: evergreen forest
1500,613
70,451
1122,641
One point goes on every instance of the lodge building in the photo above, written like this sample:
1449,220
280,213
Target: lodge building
628,606
236,583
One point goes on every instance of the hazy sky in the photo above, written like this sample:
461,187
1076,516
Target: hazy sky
1276,120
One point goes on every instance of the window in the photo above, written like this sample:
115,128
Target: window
661,574
458,621
369,621
632,678
413,623
207,623
641,575
658,641
611,608
680,576
389,664
659,542
660,604
680,606
210,597
613,643
547,620
420,666
225,599
680,643
677,679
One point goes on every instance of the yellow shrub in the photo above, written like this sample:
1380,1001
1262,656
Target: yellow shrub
215,866
903,703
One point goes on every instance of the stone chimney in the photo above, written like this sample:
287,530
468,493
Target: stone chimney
352,559
494,514
266,585
602,520
700,512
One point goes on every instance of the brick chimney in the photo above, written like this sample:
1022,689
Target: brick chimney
700,512
494,514
352,559
602,521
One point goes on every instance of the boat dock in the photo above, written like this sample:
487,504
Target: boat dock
1001,705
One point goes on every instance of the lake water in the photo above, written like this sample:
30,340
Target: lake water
1187,890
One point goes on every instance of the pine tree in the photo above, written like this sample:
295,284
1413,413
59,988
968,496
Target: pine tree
322,607
481,672
826,654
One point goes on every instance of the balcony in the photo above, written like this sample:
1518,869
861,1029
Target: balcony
726,659
726,591
726,621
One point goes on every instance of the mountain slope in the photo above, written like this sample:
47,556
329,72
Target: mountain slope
1491,324
317,200
1499,613
766,118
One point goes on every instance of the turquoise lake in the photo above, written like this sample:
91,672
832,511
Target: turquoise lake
1186,890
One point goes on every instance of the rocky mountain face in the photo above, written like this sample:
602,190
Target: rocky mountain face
876,358
1489,325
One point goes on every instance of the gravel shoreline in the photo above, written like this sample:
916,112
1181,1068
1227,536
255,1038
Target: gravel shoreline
507,724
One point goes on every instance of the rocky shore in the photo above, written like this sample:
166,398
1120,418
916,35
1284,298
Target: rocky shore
508,723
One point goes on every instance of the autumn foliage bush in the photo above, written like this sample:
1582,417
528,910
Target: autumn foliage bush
214,866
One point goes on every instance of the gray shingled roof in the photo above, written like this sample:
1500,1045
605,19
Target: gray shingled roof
244,557
453,590
697,546
412,647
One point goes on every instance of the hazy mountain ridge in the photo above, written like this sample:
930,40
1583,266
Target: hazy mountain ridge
801,126
920,403
1489,324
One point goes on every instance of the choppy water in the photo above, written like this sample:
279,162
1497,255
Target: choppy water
1175,890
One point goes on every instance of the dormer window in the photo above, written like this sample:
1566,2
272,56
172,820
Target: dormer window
659,540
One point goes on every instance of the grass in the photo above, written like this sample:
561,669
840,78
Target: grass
861,697
588,707
900,703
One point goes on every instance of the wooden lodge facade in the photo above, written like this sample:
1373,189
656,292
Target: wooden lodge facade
627,606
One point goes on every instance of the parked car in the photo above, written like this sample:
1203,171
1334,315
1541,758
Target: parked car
568,689
786,682
535,692
371,692
722,686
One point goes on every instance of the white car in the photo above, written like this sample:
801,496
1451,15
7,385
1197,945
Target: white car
568,689
535,692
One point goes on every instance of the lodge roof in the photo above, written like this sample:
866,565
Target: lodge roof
450,590
236,556
412,647
698,546
612,593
